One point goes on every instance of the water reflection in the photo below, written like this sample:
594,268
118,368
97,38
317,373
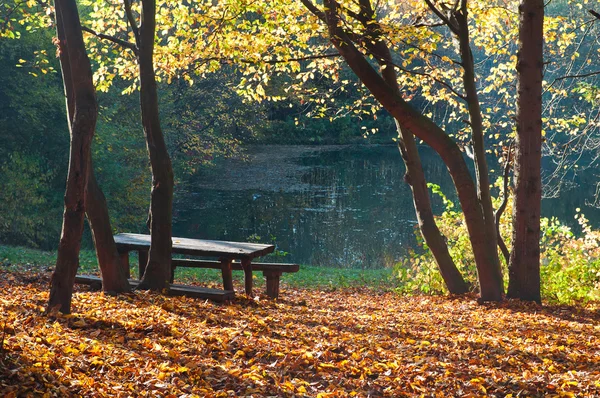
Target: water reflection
331,206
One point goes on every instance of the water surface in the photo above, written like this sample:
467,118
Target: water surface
345,206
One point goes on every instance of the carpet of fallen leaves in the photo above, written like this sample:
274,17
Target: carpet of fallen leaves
308,343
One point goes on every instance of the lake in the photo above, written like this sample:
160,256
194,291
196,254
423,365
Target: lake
343,206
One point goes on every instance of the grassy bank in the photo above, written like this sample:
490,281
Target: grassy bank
21,258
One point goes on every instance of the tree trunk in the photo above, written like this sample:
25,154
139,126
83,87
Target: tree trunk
114,276
158,270
524,266
414,169
481,167
77,73
414,122
429,230
412,161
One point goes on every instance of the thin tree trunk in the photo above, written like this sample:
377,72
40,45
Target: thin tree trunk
414,122
114,276
77,73
477,133
429,230
524,265
412,161
502,207
158,270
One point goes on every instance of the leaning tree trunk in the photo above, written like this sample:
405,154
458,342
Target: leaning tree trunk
412,161
422,127
524,265
429,230
75,63
158,269
114,276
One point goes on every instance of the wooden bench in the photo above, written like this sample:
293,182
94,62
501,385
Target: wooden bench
226,252
271,271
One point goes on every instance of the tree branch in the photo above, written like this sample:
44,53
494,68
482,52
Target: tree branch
427,25
365,17
443,83
443,17
227,61
576,76
115,40
306,58
131,19
594,13
313,9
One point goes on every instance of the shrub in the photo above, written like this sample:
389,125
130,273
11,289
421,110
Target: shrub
570,264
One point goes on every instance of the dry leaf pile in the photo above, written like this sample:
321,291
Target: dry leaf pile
309,343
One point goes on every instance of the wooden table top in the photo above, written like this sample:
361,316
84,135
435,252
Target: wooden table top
198,247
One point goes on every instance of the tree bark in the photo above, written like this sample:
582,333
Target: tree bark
429,229
114,275
158,270
524,265
417,124
77,73
477,133
412,161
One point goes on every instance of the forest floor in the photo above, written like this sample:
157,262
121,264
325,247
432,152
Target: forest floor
344,342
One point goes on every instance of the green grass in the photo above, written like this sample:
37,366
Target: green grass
22,258
26,259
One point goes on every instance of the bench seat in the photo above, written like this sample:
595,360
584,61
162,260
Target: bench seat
174,289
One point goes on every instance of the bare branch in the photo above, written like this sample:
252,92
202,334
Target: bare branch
115,40
443,17
594,13
577,76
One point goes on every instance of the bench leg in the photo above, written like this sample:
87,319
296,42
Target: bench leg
172,273
124,257
247,266
143,261
226,271
272,283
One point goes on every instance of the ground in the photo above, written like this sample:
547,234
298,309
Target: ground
343,342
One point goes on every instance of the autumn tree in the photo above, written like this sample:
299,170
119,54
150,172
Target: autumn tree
267,41
415,177
158,268
349,45
77,75
524,266
114,277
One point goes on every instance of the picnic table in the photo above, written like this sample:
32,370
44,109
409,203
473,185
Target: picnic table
225,252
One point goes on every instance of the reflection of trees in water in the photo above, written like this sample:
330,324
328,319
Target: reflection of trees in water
354,209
